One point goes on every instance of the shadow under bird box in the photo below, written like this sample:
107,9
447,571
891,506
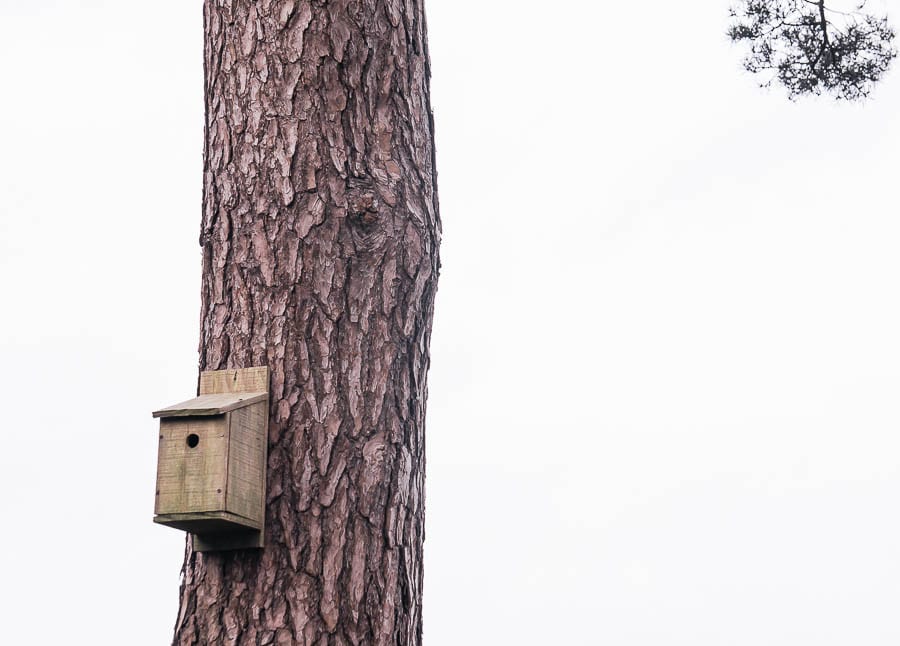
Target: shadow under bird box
211,473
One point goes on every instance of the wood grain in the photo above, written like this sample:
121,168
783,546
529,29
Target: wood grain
212,404
209,522
192,479
247,462
251,380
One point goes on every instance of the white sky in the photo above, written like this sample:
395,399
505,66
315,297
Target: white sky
666,357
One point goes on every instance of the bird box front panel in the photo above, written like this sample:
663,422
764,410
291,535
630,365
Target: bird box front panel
193,464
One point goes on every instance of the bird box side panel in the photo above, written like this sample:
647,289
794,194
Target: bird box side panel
247,461
192,466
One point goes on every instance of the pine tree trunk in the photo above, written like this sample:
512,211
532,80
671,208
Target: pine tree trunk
320,237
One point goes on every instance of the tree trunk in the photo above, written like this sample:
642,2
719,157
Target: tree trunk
320,238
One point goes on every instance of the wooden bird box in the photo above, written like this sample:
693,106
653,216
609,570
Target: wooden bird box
211,473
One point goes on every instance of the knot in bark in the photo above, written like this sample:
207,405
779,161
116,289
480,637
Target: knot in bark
362,207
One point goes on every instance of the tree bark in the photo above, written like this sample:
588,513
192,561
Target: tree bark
320,238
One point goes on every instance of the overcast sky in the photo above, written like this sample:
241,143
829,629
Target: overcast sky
666,354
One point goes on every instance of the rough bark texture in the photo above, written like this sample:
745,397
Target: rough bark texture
320,236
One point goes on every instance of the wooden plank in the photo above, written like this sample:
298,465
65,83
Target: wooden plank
191,472
247,462
208,522
214,404
237,380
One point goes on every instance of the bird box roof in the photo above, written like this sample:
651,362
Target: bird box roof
214,404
